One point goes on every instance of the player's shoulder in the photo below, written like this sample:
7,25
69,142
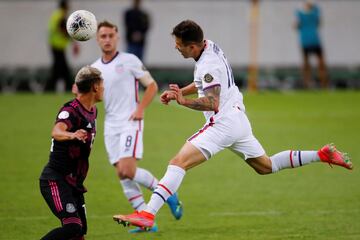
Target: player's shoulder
130,58
208,62
68,109
71,105
97,63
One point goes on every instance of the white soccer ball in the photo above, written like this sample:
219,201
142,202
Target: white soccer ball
81,25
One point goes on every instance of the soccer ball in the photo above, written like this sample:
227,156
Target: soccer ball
81,25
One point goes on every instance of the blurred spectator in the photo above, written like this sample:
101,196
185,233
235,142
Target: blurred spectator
137,23
58,40
308,20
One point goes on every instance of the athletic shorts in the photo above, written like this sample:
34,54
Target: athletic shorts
66,203
125,144
232,131
317,50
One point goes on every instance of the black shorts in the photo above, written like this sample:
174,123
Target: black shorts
317,50
65,202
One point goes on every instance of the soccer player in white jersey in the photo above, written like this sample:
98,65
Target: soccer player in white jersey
227,125
124,112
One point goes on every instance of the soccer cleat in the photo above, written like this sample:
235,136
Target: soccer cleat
175,206
141,219
331,155
154,228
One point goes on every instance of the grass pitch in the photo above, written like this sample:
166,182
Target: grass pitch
223,198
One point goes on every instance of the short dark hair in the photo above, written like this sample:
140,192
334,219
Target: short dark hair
86,78
108,24
189,32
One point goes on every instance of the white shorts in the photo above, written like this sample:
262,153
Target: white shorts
125,144
232,131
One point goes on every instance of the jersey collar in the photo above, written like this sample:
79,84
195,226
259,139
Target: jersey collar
116,54
202,51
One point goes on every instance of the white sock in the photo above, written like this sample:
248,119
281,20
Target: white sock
145,178
292,159
167,186
133,193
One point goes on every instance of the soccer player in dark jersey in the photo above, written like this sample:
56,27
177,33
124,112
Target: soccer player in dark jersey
61,181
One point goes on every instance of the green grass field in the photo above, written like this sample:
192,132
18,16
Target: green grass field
223,198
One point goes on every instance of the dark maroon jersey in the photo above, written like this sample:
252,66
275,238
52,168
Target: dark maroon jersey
70,159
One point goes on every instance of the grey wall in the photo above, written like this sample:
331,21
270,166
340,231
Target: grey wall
23,30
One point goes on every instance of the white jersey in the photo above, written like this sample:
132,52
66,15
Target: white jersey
212,69
121,94
229,127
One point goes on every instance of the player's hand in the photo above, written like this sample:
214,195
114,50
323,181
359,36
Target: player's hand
137,115
80,135
175,92
166,97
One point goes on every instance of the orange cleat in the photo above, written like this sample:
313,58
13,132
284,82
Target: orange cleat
141,219
331,155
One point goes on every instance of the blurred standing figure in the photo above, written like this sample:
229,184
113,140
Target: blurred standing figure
137,23
308,20
58,41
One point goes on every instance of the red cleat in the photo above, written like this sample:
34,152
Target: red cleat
331,155
141,219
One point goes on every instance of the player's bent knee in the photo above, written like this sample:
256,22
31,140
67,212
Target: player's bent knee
73,229
263,171
126,174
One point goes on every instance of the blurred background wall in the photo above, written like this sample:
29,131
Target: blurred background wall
23,25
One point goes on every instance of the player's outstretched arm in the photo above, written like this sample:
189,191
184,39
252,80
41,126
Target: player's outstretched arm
208,103
60,133
189,89
167,95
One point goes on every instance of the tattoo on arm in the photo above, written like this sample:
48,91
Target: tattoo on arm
208,103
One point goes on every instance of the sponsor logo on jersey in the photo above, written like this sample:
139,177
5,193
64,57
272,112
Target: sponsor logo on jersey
70,208
208,78
63,115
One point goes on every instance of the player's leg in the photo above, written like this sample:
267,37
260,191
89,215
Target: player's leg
128,170
282,160
55,71
323,76
120,153
189,156
211,139
249,147
80,205
306,68
292,159
125,169
58,196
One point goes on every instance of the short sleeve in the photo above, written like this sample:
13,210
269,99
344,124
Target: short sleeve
210,77
137,68
67,116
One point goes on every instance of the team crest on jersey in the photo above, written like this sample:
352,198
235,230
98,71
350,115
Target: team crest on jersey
63,115
119,68
208,78
70,208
